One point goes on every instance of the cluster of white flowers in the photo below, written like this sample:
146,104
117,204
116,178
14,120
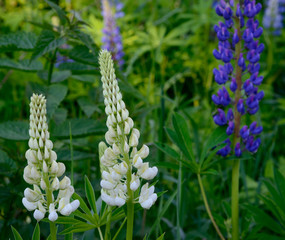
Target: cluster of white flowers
43,171
122,156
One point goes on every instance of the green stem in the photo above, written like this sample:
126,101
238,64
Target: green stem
208,207
120,228
71,152
49,201
50,70
108,224
235,200
100,233
130,204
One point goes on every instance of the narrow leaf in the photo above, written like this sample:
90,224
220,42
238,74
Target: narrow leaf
36,234
89,191
17,235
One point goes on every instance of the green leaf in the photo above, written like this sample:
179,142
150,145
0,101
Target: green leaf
17,235
217,137
55,94
168,150
61,14
36,234
79,127
161,237
87,106
67,220
90,195
25,41
23,65
264,219
78,68
163,210
64,155
280,183
80,227
83,205
60,76
7,165
47,42
183,136
14,130
83,54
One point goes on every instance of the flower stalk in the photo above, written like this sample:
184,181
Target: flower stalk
122,166
44,172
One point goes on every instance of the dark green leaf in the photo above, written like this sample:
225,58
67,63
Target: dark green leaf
90,195
25,41
17,235
168,150
79,127
55,94
61,14
217,137
60,76
47,42
83,54
14,130
7,165
36,234
183,136
64,155
87,106
80,227
77,68
23,65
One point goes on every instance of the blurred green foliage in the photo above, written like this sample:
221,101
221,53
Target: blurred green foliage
169,63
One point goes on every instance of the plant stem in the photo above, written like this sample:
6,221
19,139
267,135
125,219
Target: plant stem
100,233
237,120
50,70
108,224
130,204
208,207
71,152
49,201
235,200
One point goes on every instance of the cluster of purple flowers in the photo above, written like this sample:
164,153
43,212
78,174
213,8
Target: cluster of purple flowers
112,39
245,95
62,59
273,15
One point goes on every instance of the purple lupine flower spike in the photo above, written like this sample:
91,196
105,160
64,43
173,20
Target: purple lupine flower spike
112,39
239,47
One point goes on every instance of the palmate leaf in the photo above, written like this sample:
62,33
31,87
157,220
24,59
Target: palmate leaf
183,136
24,41
47,42
216,138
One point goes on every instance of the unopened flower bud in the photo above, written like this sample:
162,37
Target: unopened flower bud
55,184
38,215
61,169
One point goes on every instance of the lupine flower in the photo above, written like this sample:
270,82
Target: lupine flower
122,163
112,39
62,59
239,47
273,15
43,171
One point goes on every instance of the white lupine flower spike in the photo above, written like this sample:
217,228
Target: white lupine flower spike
122,164
43,171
